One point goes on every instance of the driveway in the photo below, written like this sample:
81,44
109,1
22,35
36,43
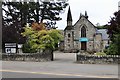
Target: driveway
64,57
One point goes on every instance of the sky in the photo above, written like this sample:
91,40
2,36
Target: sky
99,11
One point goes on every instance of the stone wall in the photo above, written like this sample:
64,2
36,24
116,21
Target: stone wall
38,57
94,59
98,44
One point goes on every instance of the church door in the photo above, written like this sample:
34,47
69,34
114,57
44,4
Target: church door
83,45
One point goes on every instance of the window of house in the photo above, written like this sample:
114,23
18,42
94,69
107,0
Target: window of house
68,35
83,32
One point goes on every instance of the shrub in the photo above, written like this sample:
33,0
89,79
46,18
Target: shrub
27,49
41,39
112,50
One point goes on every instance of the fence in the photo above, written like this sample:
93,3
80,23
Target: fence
27,57
94,59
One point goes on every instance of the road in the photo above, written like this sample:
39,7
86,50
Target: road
63,66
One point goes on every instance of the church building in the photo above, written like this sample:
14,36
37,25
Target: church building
83,35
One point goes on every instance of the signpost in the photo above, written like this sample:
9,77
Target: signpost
10,47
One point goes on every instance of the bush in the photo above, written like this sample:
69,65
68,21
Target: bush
27,49
112,50
41,39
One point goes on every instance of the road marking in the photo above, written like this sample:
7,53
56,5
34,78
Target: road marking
59,74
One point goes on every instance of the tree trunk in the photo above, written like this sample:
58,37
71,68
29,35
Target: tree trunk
52,58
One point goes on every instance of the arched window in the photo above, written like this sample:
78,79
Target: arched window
83,32
68,35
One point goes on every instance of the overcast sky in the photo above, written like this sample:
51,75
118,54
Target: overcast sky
99,11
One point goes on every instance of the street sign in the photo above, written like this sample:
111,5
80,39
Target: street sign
10,47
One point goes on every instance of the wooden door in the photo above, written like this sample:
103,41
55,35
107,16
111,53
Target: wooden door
83,46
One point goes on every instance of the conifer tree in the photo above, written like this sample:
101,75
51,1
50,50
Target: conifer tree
114,32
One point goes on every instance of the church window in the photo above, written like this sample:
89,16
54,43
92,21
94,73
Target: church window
83,32
68,35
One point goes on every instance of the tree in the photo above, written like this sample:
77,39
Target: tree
12,22
114,25
114,32
41,40
39,11
38,26
17,14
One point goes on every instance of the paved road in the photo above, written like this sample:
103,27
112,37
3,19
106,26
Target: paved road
64,66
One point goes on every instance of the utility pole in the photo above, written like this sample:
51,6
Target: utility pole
0,27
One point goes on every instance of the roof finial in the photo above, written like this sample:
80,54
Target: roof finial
81,15
86,16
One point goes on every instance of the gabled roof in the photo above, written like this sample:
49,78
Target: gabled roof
85,18
68,28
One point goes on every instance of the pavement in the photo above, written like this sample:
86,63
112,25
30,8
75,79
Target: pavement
63,66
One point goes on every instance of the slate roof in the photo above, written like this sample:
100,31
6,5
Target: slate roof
105,36
69,28
69,15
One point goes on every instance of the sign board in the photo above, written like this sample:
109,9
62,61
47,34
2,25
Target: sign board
10,47
20,45
83,39
10,44
10,50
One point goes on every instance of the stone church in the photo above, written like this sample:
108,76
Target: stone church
83,35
